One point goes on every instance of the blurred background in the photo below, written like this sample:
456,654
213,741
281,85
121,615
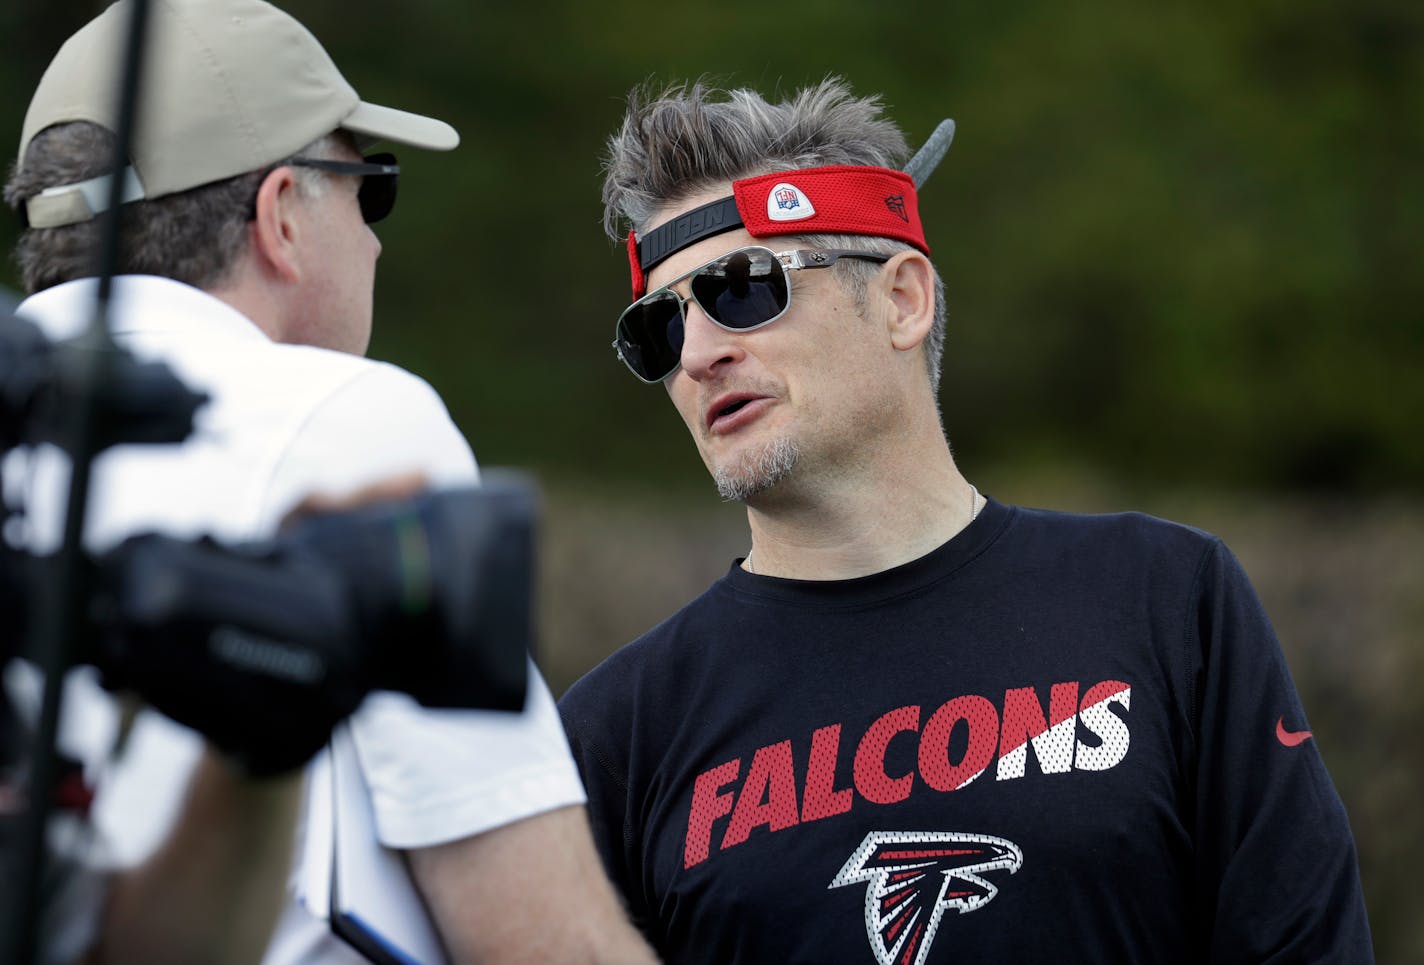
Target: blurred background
1182,246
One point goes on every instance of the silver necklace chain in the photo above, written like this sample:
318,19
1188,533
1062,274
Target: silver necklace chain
974,508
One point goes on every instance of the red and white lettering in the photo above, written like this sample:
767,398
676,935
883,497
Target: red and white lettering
707,806
768,796
870,778
1107,726
1052,739
983,721
821,800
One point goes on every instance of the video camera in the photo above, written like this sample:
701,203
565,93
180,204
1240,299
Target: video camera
264,646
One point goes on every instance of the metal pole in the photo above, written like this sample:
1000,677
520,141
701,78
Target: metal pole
60,622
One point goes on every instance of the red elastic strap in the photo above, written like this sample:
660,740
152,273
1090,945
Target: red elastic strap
640,284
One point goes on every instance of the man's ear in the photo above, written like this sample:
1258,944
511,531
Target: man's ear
276,229
908,281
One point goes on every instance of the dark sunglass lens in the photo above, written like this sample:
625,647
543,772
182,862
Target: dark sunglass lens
650,336
743,290
377,196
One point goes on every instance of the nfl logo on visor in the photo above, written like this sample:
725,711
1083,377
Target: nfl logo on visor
787,203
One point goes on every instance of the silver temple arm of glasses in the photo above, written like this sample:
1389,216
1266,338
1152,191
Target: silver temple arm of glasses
825,257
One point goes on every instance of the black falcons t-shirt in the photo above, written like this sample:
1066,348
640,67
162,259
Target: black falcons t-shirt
1055,738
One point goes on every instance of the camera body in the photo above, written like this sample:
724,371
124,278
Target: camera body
263,646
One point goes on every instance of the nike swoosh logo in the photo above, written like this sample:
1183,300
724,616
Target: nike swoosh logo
1290,738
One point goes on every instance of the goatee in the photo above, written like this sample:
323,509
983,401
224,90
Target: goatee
756,471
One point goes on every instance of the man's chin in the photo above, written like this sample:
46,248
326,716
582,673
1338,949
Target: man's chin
752,473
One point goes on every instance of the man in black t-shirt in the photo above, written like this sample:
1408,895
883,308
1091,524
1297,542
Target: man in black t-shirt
916,725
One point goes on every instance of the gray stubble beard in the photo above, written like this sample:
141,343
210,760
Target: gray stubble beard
757,471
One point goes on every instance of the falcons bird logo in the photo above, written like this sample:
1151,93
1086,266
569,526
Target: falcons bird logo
913,877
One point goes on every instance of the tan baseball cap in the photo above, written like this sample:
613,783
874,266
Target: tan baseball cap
229,86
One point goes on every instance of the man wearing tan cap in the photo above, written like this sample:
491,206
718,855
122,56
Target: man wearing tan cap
247,265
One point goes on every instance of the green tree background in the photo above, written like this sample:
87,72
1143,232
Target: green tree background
1182,248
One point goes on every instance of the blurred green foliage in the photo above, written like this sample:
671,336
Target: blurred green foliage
1181,241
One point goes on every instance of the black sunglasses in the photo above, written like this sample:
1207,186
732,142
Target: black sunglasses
740,291
379,174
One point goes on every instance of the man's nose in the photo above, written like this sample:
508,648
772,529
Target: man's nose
707,348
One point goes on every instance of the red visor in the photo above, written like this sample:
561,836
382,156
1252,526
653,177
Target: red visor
840,199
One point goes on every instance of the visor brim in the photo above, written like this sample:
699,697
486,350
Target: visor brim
374,123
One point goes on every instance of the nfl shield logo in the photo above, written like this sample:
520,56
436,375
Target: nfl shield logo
787,202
